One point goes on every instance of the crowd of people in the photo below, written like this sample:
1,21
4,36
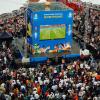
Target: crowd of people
87,22
6,55
68,80
13,24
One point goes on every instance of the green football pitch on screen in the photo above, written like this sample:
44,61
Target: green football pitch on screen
51,32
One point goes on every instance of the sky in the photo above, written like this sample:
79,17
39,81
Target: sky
9,5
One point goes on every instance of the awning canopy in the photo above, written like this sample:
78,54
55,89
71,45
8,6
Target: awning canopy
5,36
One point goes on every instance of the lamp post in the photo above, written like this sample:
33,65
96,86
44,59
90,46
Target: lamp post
25,38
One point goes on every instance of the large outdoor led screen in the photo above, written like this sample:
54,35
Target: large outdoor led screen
51,32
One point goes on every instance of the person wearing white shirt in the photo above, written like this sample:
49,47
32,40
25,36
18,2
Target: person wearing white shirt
81,65
3,45
18,82
52,96
64,97
55,71
39,78
3,85
61,81
23,87
32,98
4,71
34,91
54,87
40,73
81,52
5,60
46,81
95,98
40,82
8,97
36,96
57,95
86,52
24,74
13,83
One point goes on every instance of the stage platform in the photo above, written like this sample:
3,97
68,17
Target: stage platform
74,53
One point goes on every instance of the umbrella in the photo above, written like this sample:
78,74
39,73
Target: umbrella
5,35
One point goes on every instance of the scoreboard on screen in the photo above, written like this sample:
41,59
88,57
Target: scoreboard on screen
49,33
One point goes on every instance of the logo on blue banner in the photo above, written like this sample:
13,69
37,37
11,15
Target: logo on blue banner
36,16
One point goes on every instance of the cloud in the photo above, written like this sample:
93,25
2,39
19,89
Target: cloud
9,5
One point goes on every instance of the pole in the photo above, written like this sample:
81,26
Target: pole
25,39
